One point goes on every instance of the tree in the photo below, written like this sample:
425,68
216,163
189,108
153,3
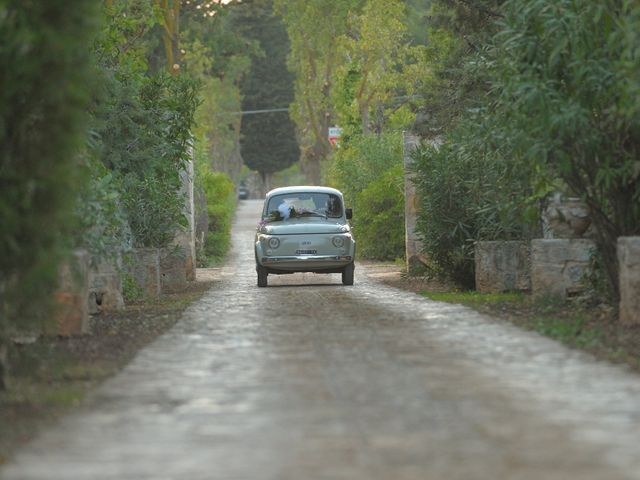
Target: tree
142,124
268,142
378,63
458,32
314,27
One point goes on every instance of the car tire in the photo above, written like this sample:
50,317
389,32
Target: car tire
347,274
262,276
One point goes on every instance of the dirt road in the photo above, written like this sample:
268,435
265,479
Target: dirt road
308,379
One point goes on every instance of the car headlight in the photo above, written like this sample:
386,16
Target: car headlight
338,242
274,242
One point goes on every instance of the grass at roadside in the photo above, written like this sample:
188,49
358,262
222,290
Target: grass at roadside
476,299
52,375
593,329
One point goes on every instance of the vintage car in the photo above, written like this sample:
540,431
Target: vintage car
304,229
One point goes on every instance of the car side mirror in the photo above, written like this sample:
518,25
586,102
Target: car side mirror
349,213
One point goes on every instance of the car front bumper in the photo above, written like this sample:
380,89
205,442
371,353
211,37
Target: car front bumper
306,263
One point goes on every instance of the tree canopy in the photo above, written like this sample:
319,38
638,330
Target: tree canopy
268,141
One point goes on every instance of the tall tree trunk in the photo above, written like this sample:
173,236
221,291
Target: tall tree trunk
312,162
364,114
266,181
171,33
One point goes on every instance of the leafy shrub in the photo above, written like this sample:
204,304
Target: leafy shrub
467,194
154,209
368,170
103,227
380,231
221,203
143,127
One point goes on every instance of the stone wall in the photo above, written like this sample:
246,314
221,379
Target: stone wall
502,266
629,264
72,311
105,287
558,266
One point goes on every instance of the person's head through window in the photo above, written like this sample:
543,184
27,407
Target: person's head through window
333,206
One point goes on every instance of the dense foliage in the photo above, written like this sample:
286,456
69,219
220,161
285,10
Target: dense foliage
467,195
547,101
369,173
42,120
572,103
220,193
144,139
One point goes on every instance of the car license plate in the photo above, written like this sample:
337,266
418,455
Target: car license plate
306,252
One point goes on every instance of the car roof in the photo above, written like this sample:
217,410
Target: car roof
303,189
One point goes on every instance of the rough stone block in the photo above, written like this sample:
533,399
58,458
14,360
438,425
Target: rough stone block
502,266
629,262
558,266
174,267
72,312
144,267
105,287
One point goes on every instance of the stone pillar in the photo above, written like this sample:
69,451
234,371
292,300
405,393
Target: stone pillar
558,266
413,245
105,286
186,238
72,309
629,264
144,267
502,266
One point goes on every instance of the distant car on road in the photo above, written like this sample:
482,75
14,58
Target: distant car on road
243,192
304,229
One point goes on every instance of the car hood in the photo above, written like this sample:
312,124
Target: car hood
287,228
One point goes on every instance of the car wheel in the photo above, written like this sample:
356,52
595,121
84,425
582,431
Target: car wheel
262,275
347,274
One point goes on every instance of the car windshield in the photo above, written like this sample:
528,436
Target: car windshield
301,204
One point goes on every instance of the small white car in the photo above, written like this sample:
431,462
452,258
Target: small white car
304,229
